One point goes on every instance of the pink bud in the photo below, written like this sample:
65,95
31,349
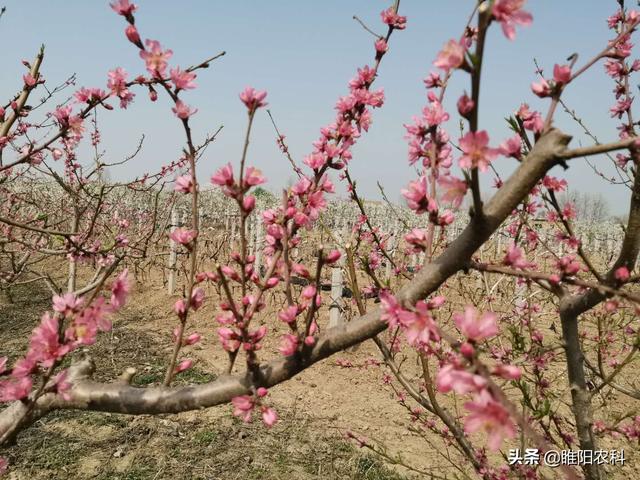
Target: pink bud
309,341
183,365
509,372
272,282
333,256
132,34
262,392
622,274
309,292
192,339
248,203
381,46
465,105
197,298
467,350
180,307
29,81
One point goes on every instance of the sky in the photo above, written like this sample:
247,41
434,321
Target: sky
304,53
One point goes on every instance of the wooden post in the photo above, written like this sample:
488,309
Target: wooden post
173,253
336,305
258,243
251,234
393,241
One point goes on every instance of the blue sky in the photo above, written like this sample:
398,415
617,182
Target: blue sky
303,53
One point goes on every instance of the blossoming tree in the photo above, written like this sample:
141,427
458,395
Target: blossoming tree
498,360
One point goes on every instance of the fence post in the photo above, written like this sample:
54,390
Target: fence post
335,308
173,252
258,244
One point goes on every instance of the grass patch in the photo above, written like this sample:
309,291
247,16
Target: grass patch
205,437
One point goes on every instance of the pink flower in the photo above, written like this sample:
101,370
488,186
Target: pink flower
28,79
419,326
253,99
391,309
477,154
14,389
490,416
621,107
568,265
434,114
229,339
67,304
454,189
433,80
184,184
253,177
155,58
418,239
120,290
3,465
243,407
512,147
182,79
381,46
182,110
622,274
531,120
288,344
391,18
460,381
561,74
474,328
89,95
269,416
123,7
509,13
224,176
62,386
183,236
451,56
417,198
45,347
542,89
117,83
515,257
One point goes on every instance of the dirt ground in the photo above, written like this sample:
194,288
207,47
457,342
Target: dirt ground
316,408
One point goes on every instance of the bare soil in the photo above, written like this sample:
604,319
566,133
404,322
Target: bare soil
316,408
